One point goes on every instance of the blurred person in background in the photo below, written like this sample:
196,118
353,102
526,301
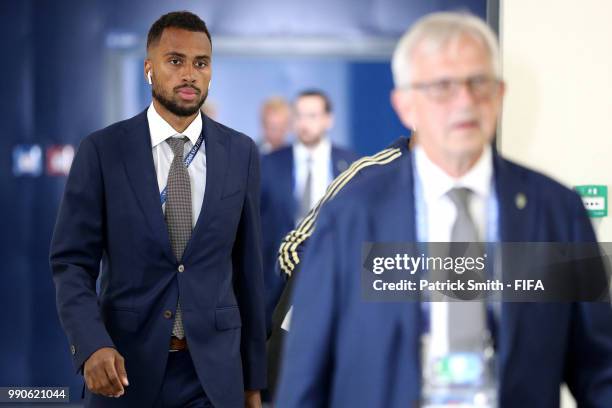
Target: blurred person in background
275,124
294,178
294,244
451,187
210,109
179,320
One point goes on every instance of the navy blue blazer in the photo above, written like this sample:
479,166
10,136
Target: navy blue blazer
111,222
279,210
344,352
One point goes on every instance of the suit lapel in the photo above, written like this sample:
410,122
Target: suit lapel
217,163
516,207
138,160
516,224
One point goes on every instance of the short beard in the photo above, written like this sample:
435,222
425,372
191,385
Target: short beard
174,107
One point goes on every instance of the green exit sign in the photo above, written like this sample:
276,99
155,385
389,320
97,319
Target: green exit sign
595,199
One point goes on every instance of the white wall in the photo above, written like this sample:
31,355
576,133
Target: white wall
557,61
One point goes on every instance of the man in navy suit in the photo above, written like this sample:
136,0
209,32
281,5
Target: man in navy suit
165,208
343,351
293,179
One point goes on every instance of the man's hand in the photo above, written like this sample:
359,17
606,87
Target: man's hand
105,374
252,399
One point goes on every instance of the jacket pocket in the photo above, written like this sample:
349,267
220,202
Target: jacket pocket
227,318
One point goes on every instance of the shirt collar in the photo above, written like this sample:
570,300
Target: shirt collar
161,130
437,183
318,153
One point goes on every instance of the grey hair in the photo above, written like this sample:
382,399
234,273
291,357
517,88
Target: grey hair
438,29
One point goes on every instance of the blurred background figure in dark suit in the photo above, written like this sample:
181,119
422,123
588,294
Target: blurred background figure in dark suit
210,109
275,124
294,178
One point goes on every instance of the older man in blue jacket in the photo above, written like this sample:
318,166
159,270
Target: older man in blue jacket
343,351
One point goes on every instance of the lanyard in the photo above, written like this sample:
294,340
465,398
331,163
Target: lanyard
163,196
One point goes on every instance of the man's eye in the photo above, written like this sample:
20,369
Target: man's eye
479,81
443,86
175,61
201,64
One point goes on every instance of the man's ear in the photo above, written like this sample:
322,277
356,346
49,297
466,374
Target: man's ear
502,92
147,69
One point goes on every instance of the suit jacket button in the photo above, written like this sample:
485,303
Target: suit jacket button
181,268
72,349
167,314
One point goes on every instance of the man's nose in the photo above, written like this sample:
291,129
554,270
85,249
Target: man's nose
464,96
187,73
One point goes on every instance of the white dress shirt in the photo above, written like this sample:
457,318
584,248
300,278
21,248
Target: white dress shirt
160,130
321,162
441,211
440,217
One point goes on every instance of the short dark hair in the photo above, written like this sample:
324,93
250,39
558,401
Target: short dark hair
317,92
176,19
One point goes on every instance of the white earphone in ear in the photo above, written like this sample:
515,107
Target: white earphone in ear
149,78
209,83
